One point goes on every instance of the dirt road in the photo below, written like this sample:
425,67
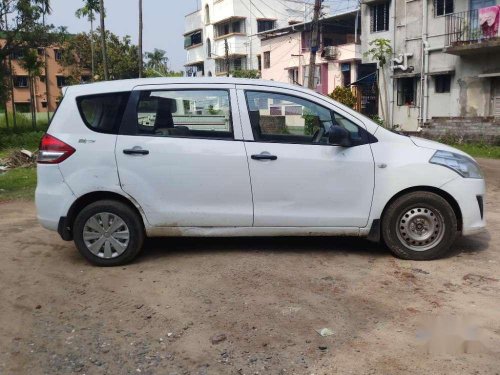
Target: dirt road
59,315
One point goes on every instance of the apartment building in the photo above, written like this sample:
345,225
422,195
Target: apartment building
445,70
221,28
286,53
54,73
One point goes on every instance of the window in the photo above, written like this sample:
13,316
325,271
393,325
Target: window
265,25
103,113
23,107
230,27
21,81
42,79
345,68
207,15
185,113
209,48
267,59
17,55
44,104
259,62
293,76
58,54
61,81
442,83
40,51
192,39
379,17
289,119
407,91
317,76
442,7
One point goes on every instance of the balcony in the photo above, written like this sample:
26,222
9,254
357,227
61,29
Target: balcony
193,21
466,36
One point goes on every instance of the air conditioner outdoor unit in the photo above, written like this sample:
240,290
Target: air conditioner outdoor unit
330,53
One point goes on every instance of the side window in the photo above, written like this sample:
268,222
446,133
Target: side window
288,119
103,113
185,113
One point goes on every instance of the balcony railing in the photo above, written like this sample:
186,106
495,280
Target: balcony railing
464,27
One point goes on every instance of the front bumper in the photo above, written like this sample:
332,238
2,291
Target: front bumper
469,194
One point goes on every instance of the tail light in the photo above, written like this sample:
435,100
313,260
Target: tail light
53,150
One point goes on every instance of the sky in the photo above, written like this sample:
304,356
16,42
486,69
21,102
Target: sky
163,23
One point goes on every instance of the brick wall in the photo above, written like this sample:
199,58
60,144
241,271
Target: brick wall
463,129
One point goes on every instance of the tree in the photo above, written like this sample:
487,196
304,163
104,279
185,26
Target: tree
45,9
103,41
343,95
380,52
157,63
31,63
140,40
28,31
123,61
89,9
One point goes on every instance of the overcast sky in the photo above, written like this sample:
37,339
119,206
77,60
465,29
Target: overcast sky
163,22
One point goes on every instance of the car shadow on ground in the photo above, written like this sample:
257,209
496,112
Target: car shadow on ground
155,248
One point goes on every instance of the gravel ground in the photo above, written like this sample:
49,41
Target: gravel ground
248,306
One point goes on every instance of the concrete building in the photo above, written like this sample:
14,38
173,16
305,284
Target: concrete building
445,68
56,75
234,24
286,52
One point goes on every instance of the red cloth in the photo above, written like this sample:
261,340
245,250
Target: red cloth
489,19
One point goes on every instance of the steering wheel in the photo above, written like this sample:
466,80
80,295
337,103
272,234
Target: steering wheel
318,134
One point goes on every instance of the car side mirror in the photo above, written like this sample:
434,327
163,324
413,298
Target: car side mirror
339,136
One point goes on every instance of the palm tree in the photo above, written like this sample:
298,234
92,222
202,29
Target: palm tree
103,41
140,39
33,66
45,9
157,61
89,9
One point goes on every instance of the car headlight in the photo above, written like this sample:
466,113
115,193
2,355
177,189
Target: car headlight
464,166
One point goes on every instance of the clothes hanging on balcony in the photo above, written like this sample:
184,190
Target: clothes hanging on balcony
489,19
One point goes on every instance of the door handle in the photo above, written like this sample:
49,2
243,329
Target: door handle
264,156
135,151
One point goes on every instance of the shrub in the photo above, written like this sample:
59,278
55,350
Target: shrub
344,95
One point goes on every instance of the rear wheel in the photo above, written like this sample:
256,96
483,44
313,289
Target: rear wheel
419,226
108,233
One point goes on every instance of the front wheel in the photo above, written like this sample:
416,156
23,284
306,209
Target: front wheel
419,226
108,233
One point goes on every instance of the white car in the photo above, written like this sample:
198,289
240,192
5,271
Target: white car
228,157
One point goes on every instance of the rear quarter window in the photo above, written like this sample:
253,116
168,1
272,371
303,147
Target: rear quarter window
103,113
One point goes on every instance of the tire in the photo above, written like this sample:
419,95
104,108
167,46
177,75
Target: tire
419,226
119,244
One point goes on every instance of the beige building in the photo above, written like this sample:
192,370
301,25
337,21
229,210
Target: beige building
55,74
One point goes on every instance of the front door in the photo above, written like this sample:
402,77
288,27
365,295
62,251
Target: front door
298,179
178,158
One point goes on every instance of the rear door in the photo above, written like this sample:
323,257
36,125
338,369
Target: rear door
179,156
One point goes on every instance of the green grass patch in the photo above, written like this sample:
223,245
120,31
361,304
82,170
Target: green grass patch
479,150
19,183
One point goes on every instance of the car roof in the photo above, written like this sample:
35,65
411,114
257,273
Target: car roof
130,84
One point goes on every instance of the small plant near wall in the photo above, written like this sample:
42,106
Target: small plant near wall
344,96
245,74
381,52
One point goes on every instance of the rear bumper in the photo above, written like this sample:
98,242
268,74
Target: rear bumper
53,197
469,194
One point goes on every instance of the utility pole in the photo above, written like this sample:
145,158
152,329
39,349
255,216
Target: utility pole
11,74
140,39
314,44
226,57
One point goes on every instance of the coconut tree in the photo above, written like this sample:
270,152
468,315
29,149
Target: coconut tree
157,61
140,40
45,9
33,67
103,40
89,9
